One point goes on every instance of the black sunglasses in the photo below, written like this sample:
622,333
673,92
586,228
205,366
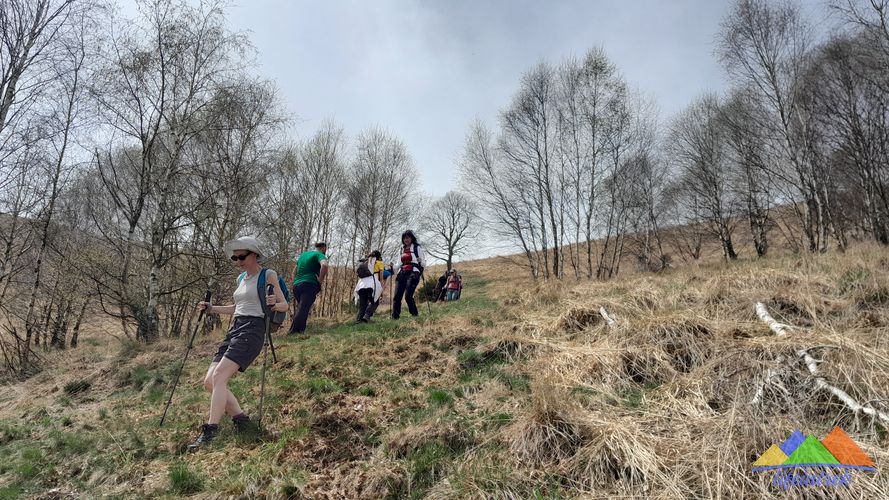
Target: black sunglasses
241,257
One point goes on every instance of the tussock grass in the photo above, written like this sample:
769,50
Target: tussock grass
518,391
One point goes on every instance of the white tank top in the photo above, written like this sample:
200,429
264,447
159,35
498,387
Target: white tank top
247,297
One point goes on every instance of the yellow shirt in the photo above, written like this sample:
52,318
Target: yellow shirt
379,266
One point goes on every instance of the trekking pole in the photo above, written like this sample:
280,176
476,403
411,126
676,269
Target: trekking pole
265,355
271,291
185,358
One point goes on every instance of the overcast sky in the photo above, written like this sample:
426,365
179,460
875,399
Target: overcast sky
425,70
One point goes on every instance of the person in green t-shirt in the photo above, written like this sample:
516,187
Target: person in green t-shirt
309,274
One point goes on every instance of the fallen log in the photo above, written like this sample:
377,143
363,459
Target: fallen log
812,365
608,319
780,329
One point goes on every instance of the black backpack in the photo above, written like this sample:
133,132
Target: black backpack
418,266
363,270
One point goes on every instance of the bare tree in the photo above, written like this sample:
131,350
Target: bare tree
383,181
765,46
852,117
739,118
529,146
58,166
586,94
697,148
450,223
501,198
32,33
161,73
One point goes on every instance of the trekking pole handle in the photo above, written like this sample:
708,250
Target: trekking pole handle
201,315
269,291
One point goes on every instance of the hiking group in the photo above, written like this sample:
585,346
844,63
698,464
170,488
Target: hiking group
261,300
449,286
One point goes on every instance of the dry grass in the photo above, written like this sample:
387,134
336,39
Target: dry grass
523,390
660,404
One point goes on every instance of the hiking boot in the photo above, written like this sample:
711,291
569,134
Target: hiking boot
208,433
368,320
242,423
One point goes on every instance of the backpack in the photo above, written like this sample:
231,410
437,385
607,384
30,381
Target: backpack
418,266
363,270
277,317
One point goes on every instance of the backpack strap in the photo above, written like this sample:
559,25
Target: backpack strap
260,288
418,265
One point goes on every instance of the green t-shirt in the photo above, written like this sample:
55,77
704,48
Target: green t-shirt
308,265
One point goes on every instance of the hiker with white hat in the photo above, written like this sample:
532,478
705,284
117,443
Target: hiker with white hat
245,338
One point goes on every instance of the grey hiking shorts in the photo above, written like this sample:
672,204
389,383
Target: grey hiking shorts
244,341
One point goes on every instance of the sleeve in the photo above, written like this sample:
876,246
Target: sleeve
378,266
322,257
421,256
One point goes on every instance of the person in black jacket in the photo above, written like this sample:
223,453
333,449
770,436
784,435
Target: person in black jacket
412,261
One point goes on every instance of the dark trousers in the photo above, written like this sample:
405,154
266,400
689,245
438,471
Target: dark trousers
371,309
365,300
405,284
305,294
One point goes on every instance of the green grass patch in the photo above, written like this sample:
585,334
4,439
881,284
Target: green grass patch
483,322
367,391
30,463
11,492
70,443
12,431
77,387
440,397
183,480
428,464
498,420
319,385
633,397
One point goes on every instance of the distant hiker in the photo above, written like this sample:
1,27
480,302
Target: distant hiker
459,286
309,273
410,268
441,288
453,285
245,338
370,285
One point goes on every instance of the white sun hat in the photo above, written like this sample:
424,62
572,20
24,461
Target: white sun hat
245,243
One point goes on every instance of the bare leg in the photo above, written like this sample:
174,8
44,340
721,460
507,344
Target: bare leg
232,407
220,397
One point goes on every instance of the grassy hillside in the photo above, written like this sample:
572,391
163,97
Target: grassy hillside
518,390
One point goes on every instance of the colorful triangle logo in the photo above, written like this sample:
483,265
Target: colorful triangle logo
837,450
792,442
841,446
772,456
811,452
